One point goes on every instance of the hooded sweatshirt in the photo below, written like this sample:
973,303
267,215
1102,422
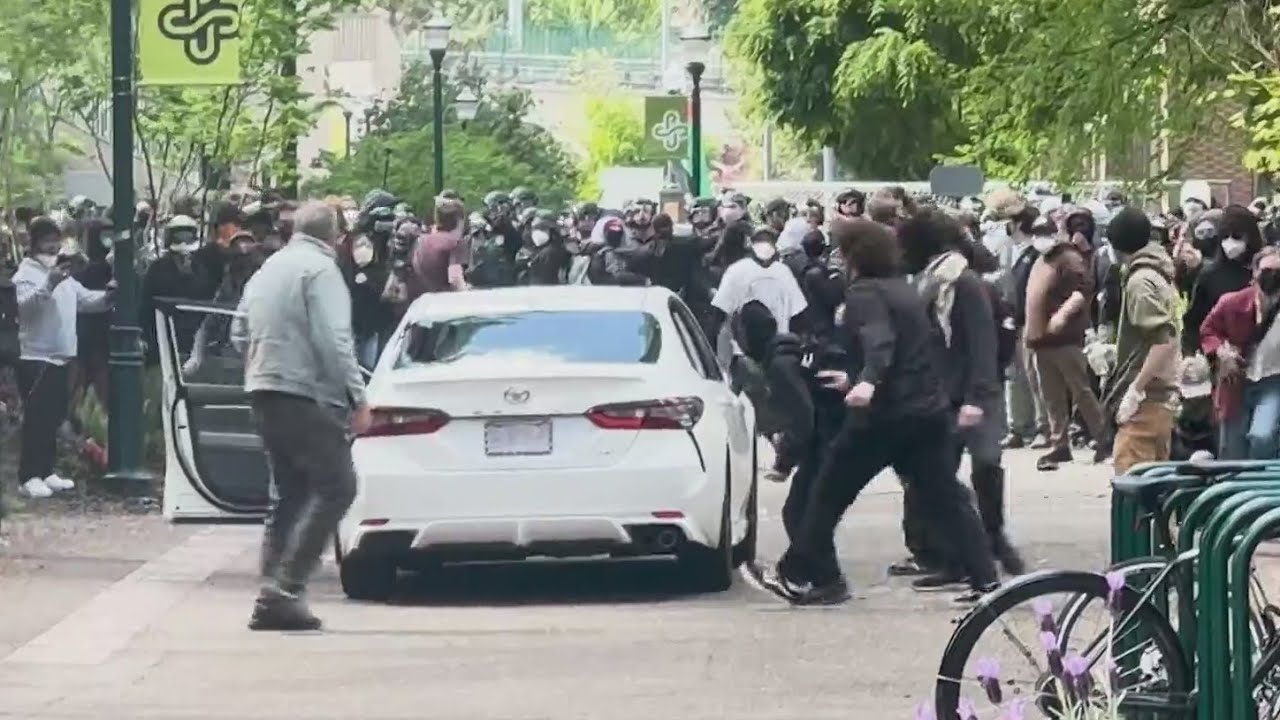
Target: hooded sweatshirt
1148,317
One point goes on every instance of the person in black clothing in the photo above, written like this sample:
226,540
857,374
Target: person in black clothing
780,389
899,416
1231,270
366,270
92,329
227,222
967,338
822,286
175,274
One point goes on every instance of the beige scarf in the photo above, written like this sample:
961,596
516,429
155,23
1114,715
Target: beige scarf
938,279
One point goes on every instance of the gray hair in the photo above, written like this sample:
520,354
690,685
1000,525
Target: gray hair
316,219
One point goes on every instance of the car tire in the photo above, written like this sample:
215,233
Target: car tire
745,551
711,569
368,578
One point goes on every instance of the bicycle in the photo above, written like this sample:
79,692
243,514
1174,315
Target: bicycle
1160,658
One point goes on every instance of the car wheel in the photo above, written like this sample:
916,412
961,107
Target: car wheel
368,578
711,569
745,551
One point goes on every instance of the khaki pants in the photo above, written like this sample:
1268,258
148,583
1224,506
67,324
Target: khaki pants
1145,438
1064,381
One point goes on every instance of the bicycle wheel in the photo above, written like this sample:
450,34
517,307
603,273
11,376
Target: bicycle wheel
1165,681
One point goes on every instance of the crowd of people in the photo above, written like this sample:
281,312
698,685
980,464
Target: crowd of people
886,331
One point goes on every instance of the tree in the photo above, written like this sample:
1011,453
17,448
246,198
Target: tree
615,138
498,149
1025,88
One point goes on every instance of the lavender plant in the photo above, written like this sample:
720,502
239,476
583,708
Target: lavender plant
1075,695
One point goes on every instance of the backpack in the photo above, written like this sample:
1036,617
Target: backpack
1006,327
10,347
491,265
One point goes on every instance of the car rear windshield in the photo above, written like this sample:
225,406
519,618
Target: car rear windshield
573,336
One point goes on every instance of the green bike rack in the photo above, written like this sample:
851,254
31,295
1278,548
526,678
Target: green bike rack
1130,532
1242,648
1231,518
1194,520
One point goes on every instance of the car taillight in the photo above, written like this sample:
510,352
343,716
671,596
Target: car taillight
391,422
671,414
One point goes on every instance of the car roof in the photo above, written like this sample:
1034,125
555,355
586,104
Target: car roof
538,297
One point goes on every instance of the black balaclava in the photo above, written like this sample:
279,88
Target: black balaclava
753,327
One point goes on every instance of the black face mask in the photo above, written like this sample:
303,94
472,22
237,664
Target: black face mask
613,238
1269,280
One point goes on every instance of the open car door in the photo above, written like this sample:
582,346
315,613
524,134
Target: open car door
215,466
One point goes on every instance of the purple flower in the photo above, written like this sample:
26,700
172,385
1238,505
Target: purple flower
1015,710
989,678
924,711
1115,586
1078,678
966,710
1043,609
1049,642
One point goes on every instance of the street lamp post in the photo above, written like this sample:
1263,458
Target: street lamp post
125,426
436,33
466,106
697,42
346,118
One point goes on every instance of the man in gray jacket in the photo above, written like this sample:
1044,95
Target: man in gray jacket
294,323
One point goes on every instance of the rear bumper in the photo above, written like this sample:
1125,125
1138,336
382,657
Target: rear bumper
514,514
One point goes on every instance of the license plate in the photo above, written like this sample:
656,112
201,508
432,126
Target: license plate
530,437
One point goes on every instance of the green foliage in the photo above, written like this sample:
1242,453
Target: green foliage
615,137
498,149
624,18
1025,88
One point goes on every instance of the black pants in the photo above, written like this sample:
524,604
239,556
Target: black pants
923,541
46,393
313,482
919,450
828,420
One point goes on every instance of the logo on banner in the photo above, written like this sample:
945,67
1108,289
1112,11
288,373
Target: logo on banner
189,42
202,26
671,131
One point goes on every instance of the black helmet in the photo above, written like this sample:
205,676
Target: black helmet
524,197
586,210
702,213
496,197
527,215
853,195
543,219
378,199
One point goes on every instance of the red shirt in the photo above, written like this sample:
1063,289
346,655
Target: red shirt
435,253
1233,319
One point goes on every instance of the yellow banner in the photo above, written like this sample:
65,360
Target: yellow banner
189,42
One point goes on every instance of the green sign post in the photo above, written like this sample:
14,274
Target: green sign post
666,128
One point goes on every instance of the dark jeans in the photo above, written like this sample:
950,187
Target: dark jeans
985,473
313,482
920,451
46,395
828,420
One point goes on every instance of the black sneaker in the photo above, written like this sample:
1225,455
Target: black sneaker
1101,452
940,581
1008,556
773,582
279,611
1014,442
909,567
975,594
1050,460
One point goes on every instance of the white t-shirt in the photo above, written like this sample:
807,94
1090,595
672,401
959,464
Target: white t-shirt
772,285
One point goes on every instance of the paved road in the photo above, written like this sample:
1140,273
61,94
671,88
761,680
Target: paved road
126,617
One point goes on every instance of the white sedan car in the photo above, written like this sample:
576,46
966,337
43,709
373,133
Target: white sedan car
564,421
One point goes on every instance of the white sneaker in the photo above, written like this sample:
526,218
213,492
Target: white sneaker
36,489
59,484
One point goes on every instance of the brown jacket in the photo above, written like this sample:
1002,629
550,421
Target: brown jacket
1054,277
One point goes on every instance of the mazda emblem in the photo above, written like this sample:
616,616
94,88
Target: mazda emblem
516,396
